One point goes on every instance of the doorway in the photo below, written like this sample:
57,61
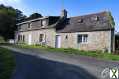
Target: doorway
29,39
58,41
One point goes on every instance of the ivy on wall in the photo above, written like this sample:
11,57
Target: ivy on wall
111,19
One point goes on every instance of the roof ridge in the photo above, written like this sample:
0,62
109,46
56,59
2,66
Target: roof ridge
90,14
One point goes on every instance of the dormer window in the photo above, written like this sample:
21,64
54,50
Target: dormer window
95,18
29,25
80,21
43,23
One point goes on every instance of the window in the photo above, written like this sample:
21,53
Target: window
18,37
66,37
80,21
41,37
82,38
29,25
95,18
79,38
85,38
43,23
23,38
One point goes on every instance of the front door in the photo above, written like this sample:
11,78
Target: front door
58,41
29,39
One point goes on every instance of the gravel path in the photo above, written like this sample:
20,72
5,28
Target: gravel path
37,64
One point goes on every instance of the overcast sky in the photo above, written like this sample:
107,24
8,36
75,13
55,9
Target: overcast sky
74,7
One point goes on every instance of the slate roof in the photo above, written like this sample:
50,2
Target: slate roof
53,19
86,23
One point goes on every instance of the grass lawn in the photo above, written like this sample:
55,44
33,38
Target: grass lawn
6,63
95,54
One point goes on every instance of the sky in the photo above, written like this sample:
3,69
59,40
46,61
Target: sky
74,7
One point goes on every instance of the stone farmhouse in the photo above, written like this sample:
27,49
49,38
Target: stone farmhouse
88,32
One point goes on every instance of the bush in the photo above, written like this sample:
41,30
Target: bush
2,39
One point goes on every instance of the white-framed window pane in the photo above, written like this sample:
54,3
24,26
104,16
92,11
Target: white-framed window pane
79,39
43,22
19,37
82,38
85,38
41,37
29,25
23,37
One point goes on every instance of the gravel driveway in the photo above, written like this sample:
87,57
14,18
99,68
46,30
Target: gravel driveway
37,64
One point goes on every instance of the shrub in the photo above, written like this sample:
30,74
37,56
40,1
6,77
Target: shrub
2,39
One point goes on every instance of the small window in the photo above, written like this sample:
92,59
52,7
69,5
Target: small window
43,23
66,37
95,18
79,38
80,21
41,37
18,37
82,38
23,38
85,38
29,25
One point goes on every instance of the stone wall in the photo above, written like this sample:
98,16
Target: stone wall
49,36
97,40
68,40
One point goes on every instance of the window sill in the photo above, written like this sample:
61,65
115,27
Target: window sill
83,43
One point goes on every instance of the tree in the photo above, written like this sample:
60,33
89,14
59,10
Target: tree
111,19
34,16
20,17
8,19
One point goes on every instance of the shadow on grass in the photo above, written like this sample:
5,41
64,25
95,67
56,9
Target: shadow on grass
32,67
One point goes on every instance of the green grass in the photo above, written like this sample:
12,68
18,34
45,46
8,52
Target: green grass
6,63
71,51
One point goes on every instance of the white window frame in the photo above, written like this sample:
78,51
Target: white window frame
43,23
43,38
29,25
83,39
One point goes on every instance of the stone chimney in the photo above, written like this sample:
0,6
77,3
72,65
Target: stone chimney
64,13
